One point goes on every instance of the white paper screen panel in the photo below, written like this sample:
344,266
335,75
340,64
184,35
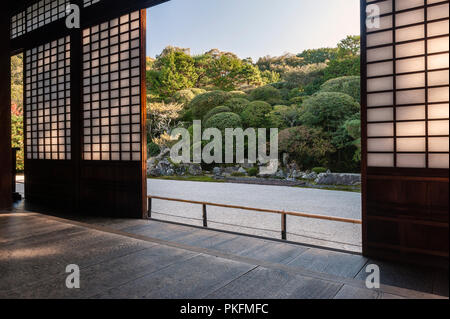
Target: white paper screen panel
47,101
37,15
87,3
111,90
407,70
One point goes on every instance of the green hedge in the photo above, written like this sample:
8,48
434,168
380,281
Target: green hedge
328,110
237,105
185,96
225,120
253,171
216,110
205,102
153,149
257,115
266,93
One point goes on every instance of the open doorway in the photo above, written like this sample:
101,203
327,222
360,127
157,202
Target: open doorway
17,132
259,67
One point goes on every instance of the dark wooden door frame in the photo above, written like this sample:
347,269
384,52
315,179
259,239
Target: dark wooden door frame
415,233
96,14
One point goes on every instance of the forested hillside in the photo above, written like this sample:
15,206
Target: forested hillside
312,97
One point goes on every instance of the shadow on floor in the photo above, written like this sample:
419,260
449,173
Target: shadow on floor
129,258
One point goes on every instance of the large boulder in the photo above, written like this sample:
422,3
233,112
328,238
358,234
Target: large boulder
246,164
296,174
230,169
311,175
338,179
154,171
153,163
280,174
161,165
217,171
195,169
242,170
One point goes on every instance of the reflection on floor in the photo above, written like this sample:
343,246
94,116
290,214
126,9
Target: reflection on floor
150,259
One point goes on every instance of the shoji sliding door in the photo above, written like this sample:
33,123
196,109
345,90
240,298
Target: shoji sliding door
47,122
405,67
113,135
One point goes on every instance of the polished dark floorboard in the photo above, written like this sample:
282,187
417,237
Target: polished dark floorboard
151,259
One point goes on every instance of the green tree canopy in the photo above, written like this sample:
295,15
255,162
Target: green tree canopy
349,66
269,77
350,85
350,46
228,72
280,64
328,110
308,78
173,70
321,55
17,83
17,108
283,116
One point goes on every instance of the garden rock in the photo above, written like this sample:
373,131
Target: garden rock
311,175
217,171
280,174
195,169
338,179
242,170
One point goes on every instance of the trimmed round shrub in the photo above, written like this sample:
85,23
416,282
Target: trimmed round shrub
186,115
183,96
238,174
238,94
205,102
252,171
298,100
216,110
256,114
197,91
225,120
266,93
153,149
349,85
328,110
279,115
237,105
277,101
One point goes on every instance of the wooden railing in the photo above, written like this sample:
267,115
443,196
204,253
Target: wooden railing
282,213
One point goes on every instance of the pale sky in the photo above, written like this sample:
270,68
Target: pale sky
251,28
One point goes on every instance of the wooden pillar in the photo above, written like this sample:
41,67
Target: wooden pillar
5,112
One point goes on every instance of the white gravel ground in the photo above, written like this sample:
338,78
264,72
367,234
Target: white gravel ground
314,201
303,230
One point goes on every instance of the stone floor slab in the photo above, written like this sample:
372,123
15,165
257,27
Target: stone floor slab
194,278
